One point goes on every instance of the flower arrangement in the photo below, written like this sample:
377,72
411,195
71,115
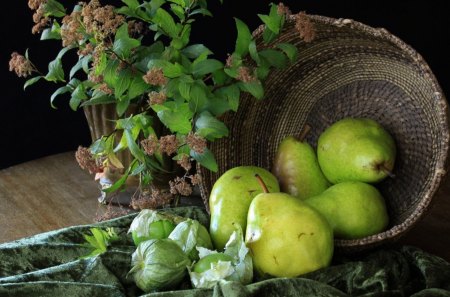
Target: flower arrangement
139,54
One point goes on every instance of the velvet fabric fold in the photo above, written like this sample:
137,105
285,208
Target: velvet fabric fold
51,264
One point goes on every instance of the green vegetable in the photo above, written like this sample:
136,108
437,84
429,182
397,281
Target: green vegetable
150,224
234,264
189,235
158,264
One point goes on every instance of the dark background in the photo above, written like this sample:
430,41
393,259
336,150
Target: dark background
30,128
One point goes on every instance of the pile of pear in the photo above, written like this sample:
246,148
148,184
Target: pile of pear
292,215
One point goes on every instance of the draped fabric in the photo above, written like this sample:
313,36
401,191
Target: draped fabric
51,264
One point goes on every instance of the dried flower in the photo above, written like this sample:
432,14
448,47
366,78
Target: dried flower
86,160
168,144
20,65
101,21
157,98
41,21
305,27
244,75
95,78
185,162
110,213
70,29
151,199
283,9
150,145
106,89
155,77
87,50
196,142
35,4
180,186
229,62
196,179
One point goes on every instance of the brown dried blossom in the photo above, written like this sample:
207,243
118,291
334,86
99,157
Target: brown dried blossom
87,50
135,28
196,179
168,144
151,199
20,65
305,27
110,213
157,98
180,186
244,75
101,21
97,79
229,61
155,77
106,89
35,4
150,145
283,9
196,142
71,29
185,162
41,21
87,161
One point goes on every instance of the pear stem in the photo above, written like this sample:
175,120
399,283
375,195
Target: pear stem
304,132
387,171
261,182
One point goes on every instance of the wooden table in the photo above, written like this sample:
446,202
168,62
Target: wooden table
53,192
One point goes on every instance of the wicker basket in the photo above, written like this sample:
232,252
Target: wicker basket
349,69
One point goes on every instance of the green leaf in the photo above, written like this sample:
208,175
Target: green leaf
55,71
231,94
217,106
79,65
122,106
170,70
272,23
78,95
60,91
244,37
290,50
206,159
134,148
202,11
52,33
100,99
118,184
123,82
176,117
198,97
274,57
195,50
254,87
209,127
132,4
206,66
185,89
137,87
31,81
253,52
181,3
166,23
178,11
123,44
54,8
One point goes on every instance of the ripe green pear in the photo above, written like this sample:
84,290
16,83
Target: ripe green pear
297,169
286,237
356,149
353,209
230,198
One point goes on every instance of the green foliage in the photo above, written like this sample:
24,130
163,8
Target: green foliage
99,241
121,68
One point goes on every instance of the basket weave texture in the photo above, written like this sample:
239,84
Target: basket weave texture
349,70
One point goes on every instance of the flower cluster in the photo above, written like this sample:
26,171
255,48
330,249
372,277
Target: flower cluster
169,93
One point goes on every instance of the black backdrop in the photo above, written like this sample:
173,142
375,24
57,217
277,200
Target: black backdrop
30,128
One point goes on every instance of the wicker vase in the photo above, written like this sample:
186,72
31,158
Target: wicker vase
349,70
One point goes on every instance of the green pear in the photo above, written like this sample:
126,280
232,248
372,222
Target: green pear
230,198
356,149
286,237
297,169
353,209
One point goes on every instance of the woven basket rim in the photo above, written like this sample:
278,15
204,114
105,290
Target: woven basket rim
440,172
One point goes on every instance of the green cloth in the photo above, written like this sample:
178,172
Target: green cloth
49,264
